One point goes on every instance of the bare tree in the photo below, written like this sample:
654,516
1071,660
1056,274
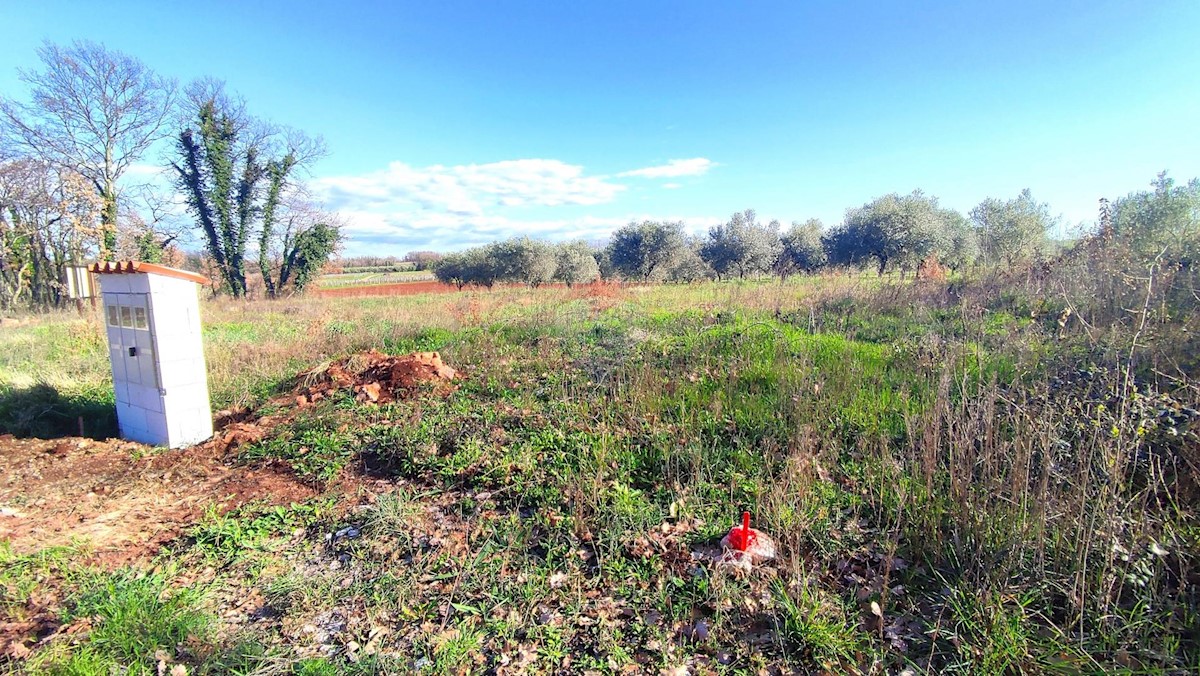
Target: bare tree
94,111
47,221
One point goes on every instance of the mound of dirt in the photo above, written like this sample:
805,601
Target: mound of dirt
374,377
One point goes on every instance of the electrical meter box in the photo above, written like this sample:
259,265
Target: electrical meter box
152,317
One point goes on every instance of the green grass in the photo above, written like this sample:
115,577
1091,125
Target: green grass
909,453
131,618
227,537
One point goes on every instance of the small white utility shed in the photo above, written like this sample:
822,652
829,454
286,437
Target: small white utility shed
152,313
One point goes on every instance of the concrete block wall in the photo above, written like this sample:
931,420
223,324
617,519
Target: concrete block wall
162,393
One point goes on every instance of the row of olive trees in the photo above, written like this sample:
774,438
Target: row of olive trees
891,232
520,260
1158,228
91,115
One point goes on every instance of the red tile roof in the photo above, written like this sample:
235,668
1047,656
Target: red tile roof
129,267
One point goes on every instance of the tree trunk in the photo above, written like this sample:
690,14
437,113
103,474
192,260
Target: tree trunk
108,222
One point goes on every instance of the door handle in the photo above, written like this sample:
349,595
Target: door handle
133,352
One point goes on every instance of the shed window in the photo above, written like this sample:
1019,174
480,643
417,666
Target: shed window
129,317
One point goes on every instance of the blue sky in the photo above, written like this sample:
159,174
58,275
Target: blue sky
451,123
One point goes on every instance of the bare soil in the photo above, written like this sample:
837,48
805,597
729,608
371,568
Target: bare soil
127,499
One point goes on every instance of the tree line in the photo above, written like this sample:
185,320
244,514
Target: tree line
68,155
892,232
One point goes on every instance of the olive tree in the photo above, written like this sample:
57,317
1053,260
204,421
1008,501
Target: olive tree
524,261
893,230
960,244
452,269
1164,221
1013,230
801,249
690,266
647,251
478,266
576,264
742,246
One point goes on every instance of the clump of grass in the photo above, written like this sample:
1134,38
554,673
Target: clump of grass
227,537
132,617
814,623
316,448
393,513
22,574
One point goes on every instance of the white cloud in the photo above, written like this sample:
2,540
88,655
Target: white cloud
402,208
398,233
674,169
672,186
469,189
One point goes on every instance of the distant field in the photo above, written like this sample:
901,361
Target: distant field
365,278
406,288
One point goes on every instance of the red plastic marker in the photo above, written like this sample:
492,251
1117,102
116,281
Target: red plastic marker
742,538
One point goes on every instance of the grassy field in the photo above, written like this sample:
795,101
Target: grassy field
341,280
959,479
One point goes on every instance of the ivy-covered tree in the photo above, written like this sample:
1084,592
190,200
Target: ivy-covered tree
307,253
308,238
233,172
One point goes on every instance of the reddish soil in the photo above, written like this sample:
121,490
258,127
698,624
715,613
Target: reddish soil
129,500
375,377
126,504
412,288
